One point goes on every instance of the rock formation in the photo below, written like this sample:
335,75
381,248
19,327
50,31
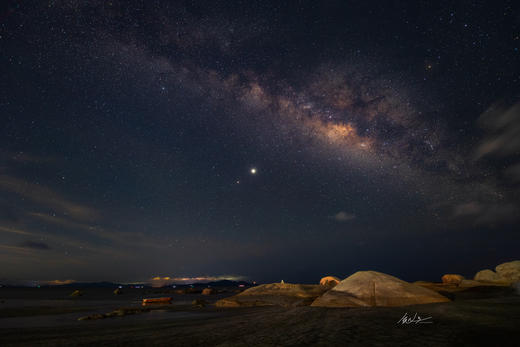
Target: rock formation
281,294
371,288
509,271
329,281
452,279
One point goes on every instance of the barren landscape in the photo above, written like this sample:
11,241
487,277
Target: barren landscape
48,316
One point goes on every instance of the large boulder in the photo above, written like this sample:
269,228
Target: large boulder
488,276
509,271
280,294
329,281
452,279
371,288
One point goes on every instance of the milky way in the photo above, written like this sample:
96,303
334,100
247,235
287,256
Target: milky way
133,129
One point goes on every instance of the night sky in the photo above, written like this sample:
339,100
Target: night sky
257,140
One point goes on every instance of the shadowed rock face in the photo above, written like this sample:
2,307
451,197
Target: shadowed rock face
371,288
280,294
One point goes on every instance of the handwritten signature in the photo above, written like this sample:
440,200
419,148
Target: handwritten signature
416,319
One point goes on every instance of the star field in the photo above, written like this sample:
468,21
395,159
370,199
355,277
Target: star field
257,140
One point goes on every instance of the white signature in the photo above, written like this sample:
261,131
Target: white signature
406,319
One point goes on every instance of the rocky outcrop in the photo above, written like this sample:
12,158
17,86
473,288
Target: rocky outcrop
371,288
509,271
488,276
329,281
280,294
506,273
452,279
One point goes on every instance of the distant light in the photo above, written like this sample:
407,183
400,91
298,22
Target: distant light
253,171
241,285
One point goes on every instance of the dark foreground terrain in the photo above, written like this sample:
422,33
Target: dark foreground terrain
47,316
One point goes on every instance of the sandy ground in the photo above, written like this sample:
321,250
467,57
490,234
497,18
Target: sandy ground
47,316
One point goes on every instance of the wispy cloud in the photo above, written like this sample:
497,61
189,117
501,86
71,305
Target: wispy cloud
503,125
486,214
343,216
46,197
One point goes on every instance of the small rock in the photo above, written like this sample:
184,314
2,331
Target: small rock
208,291
452,279
199,303
329,281
76,293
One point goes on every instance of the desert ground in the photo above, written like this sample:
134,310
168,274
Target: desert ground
49,317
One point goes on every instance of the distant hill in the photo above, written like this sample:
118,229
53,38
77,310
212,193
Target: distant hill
222,283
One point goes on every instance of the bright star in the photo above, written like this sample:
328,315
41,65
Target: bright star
253,171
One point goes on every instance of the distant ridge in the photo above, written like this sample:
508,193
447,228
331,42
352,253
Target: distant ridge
105,284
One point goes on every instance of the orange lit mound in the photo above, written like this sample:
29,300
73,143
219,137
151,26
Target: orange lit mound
371,288
157,301
208,291
329,281
275,294
452,279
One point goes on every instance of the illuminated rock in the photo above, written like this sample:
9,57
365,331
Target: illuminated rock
329,281
489,276
371,288
208,291
76,293
510,271
452,279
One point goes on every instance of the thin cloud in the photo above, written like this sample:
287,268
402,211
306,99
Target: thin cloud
503,125
343,216
490,214
45,196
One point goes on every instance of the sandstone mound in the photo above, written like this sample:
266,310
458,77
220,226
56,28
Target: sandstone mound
329,281
487,276
371,288
281,294
509,271
452,279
